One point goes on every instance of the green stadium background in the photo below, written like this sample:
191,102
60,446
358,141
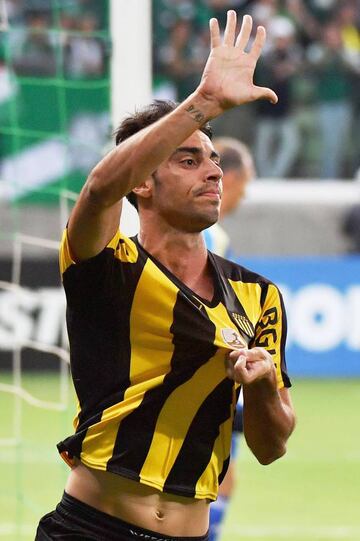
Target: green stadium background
44,115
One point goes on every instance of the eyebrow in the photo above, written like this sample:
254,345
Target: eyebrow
196,151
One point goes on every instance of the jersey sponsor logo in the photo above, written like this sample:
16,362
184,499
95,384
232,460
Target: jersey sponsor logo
233,339
244,324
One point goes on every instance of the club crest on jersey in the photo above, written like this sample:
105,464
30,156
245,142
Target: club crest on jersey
245,325
233,339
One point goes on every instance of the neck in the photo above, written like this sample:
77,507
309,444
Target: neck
184,254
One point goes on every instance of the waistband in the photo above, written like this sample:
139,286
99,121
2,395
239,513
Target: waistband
77,509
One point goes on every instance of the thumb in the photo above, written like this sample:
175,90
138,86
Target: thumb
263,93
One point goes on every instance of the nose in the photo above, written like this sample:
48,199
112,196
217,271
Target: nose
214,171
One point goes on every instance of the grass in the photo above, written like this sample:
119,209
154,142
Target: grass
313,493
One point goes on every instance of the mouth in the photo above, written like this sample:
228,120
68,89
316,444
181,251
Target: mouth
212,194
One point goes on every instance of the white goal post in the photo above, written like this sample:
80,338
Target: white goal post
131,64
131,71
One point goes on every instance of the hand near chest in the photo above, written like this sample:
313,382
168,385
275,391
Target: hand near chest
246,366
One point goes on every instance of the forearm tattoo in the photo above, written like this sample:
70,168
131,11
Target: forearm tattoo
196,114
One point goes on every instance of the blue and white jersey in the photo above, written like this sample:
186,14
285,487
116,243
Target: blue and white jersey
217,240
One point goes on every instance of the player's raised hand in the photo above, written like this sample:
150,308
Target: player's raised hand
229,71
246,366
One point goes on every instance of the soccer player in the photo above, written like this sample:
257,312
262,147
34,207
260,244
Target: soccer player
238,169
163,333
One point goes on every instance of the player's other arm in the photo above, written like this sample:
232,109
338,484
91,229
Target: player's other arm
268,413
269,423
227,81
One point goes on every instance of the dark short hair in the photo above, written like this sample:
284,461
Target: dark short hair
145,117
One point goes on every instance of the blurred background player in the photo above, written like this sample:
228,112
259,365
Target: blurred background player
238,170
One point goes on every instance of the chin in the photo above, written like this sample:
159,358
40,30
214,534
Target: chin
193,221
203,222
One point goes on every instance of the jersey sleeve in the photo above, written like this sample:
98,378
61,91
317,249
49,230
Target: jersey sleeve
94,278
65,257
271,330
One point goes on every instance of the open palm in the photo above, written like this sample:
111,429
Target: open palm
229,71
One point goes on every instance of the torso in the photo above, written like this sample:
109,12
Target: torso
138,504
134,502
135,460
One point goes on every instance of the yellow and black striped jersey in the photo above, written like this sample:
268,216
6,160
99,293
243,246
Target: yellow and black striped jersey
147,361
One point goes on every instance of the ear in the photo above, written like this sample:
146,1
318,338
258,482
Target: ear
144,190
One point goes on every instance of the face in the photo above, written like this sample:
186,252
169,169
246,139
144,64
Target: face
186,189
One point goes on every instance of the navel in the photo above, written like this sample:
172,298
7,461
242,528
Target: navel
159,514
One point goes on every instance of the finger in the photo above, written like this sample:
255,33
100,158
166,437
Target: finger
230,29
229,367
230,363
259,43
241,373
215,38
256,354
246,370
233,355
245,32
263,93
239,369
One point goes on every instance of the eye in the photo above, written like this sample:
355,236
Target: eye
189,161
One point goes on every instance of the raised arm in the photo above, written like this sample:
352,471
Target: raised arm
227,81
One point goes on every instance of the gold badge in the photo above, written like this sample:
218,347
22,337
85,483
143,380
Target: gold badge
233,339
